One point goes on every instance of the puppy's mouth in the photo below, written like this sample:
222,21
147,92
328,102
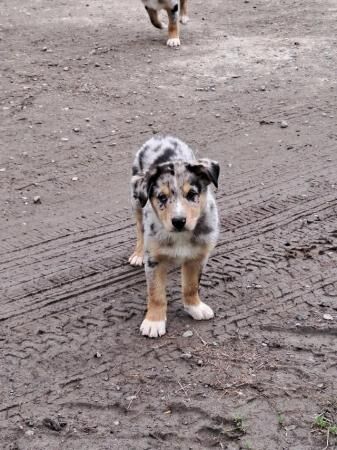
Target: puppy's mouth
174,230
183,230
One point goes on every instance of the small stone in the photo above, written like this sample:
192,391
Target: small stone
74,178
284,124
98,355
188,333
66,69
37,199
116,422
327,317
186,355
64,139
200,362
97,65
76,130
262,88
217,115
87,119
3,169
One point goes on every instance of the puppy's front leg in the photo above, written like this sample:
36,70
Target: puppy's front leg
191,274
154,324
173,28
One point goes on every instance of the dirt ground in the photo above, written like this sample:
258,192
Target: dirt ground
83,85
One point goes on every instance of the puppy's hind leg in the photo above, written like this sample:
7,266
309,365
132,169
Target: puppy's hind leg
156,22
183,12
136,259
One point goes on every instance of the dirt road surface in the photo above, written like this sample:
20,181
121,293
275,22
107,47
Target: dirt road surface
83,85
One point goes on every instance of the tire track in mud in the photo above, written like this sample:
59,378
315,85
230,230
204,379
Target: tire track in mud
104,255
105,273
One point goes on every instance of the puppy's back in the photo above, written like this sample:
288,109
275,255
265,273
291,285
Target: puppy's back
159,150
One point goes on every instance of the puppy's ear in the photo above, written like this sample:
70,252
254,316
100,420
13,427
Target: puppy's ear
207,169
139,188
143,183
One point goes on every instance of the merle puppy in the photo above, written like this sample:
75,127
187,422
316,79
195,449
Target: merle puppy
174,8
177,221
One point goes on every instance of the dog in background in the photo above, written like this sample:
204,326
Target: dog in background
174,9
176,221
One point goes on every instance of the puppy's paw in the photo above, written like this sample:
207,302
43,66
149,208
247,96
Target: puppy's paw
199,312
136,259
173,42
153,328
184,19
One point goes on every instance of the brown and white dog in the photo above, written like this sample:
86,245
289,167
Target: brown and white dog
177,221
174,9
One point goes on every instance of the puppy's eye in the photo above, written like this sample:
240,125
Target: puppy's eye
192,196
162,198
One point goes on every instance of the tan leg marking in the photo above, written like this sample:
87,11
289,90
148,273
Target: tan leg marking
183,12
191,272
136,259
173,30
154,324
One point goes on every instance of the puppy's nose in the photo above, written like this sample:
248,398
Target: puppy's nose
178,223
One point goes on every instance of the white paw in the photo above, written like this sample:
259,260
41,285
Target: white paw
136,259
199,312
174,42
153,328
184,19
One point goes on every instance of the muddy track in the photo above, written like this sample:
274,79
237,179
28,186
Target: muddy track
80,92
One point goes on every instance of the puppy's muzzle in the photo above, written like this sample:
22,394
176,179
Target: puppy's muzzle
178,223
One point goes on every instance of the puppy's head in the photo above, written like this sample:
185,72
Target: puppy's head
177,191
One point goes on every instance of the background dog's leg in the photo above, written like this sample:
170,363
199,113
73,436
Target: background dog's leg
173,27
136,259
154,324
153,14
183,11
191,273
